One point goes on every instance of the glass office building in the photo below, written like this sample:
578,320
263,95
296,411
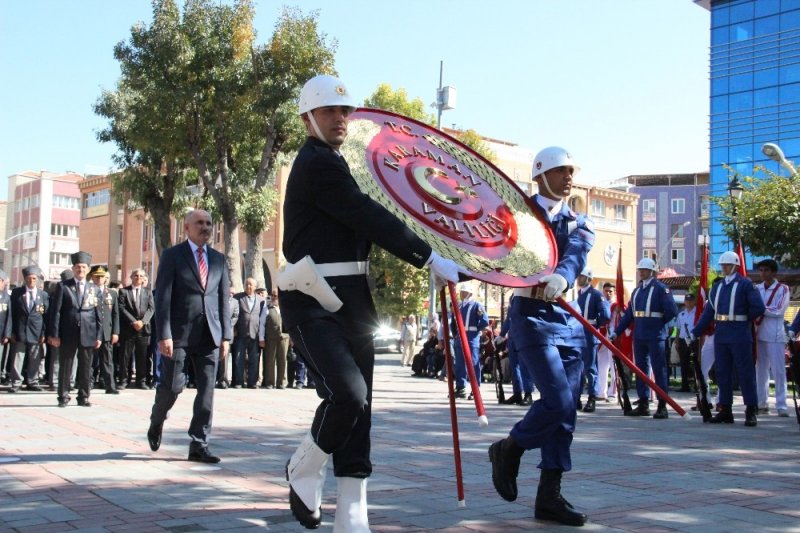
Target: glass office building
755,91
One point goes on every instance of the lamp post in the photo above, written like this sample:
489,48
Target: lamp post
774,152
674,234
735,191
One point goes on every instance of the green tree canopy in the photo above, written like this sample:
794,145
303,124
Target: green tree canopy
767,216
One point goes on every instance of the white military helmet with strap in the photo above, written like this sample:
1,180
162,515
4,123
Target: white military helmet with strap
323,90
550,158
647,264
729,258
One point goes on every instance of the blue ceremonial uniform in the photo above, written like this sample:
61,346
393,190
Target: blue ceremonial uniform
549,341
795,323
733,305
475,320
521,380
651,308
594,308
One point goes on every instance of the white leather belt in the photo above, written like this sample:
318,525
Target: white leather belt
645,314
472,328
729,318
537,293
348,268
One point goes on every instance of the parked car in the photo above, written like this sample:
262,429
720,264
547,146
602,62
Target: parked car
386,338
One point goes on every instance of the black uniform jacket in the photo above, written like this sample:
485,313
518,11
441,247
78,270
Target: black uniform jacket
327,216
130,311
76,322
109,313
28,325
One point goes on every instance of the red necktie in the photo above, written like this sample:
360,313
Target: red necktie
202,267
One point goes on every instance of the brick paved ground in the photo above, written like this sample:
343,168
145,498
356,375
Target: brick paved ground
91,469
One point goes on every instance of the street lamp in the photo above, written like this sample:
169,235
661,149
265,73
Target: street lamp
674,234
735,191
774,152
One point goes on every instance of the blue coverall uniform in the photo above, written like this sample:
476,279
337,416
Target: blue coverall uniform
594,308
475,321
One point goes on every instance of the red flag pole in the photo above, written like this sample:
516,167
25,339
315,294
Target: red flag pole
639,374
452,396
483,421
702,288
740,253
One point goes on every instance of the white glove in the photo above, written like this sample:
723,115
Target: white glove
691,337
612,336
444,270
791,335
555,285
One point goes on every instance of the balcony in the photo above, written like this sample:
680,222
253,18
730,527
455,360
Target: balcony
611,224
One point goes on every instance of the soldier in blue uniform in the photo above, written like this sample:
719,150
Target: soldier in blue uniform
595,310
549,341
651,308
733,304
326,306
794,329
475,320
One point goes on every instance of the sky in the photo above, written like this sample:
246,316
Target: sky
623,84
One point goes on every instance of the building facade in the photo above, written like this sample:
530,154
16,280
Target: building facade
43,222
755,92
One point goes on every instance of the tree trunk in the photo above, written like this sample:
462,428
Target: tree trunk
161,227
253,261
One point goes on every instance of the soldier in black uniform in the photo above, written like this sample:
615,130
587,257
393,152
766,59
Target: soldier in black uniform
328,220
109,335
29,305
74,327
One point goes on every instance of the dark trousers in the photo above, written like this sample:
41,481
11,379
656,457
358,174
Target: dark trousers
275,361
247,355
730,360
105,363
341,359
646,353
589,357
21,352
83,379
172,381
461,373
686,369
136,350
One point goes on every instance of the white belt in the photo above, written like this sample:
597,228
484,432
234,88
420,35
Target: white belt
473,328
537,293
645,314
348,268
729,318
591,321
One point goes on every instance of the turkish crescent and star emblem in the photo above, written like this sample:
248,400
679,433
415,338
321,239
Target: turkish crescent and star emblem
451,197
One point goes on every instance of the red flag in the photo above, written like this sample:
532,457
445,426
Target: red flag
625,341
740,253
702,288
620,286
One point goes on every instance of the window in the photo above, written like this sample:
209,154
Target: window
649,206
648,231
60,259
678,206
678,256
647,253
63,230
620,211
101,197
598,208
677,230
66,202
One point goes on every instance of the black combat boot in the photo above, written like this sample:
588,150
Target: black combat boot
661,412
527,399
550,505
642,408
505,455
725,415
589,407
514,399
750,418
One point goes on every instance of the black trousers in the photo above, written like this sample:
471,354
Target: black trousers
172,381
83,378
686,369
341,358
136,349
105,363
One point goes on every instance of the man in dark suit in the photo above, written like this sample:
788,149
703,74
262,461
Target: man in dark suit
275,341
29,305
109,317
74,327
327,219
247,353
5,323
193,323
136,308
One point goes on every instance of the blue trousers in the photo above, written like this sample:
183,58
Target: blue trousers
461,377
589,357
648,353
521,380
740,354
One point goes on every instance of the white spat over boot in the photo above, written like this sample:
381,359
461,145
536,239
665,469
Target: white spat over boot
351,506
305,473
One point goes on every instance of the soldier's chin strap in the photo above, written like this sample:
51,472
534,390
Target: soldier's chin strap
314,127
547,186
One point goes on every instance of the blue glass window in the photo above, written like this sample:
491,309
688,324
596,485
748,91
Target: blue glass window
740,101
765,77
719,104
766,7
790,73
790,93
765,97
719,85
767,25
741,12
741,82
720,16
790,20
741,31
719,155
791,148
786,5
719,36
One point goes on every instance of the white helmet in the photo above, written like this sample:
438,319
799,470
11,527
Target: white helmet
466,286
729,258
586,272
324,90
647,263
552,157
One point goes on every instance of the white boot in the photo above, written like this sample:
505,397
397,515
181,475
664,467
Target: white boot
351,506
305,473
